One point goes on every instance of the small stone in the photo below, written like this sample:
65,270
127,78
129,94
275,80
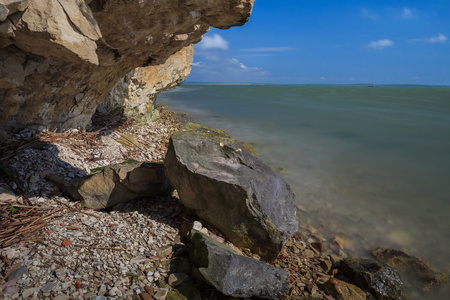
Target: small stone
149,289
176,279
61,297
197,225
30,291
318,246
48,286
11,253
18,273
145,296
326,265
161,294
309,253
113,292
164,251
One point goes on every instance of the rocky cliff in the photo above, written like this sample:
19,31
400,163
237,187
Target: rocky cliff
136,93
60,58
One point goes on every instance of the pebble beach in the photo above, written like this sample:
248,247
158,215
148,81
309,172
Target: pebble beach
54,248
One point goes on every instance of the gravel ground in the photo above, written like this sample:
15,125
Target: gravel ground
69,252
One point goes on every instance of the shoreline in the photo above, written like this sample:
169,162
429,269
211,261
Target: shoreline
134,238
84,253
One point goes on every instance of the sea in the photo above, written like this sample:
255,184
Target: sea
370,165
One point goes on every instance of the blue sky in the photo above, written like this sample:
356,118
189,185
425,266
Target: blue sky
331,42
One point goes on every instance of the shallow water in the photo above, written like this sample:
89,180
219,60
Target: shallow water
368,164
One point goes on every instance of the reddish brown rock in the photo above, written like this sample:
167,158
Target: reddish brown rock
341,290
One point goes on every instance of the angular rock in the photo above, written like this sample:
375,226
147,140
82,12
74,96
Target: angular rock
17,274
175,279
116,184
161,294
231,189
380,280
341,290
233,274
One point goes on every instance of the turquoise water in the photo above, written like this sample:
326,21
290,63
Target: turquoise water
370,165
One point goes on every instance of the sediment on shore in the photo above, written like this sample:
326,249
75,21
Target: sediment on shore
52,247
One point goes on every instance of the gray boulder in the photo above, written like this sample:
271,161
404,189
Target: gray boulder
231,189
116,184
380,280
233,274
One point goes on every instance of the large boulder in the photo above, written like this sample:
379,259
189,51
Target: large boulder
116,184
231,189
60,58
233,274
380,280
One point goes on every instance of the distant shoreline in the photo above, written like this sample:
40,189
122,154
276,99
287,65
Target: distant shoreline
312,84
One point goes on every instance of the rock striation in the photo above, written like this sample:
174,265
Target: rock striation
136,93
59,58
231,190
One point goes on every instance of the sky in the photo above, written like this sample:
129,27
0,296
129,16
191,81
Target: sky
331,42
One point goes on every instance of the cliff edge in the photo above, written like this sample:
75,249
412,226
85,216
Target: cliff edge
59,58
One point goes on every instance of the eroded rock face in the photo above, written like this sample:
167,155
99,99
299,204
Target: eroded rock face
60,58
136,92
231,189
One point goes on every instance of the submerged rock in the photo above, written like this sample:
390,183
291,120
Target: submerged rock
116,184
401,260
341,290
231,189
412,265
380,280
233,274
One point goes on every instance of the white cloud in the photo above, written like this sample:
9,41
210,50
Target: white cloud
197,64
214,41
268,49
380,44
407,13
367,14
255,70
436,39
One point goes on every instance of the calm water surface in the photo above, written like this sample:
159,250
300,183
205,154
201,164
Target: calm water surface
370,165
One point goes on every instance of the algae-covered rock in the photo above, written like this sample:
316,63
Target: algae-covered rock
233,274
380,280
341,290
401,260
116,184
425,275
231,189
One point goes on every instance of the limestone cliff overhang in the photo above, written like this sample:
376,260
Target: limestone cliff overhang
59,58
